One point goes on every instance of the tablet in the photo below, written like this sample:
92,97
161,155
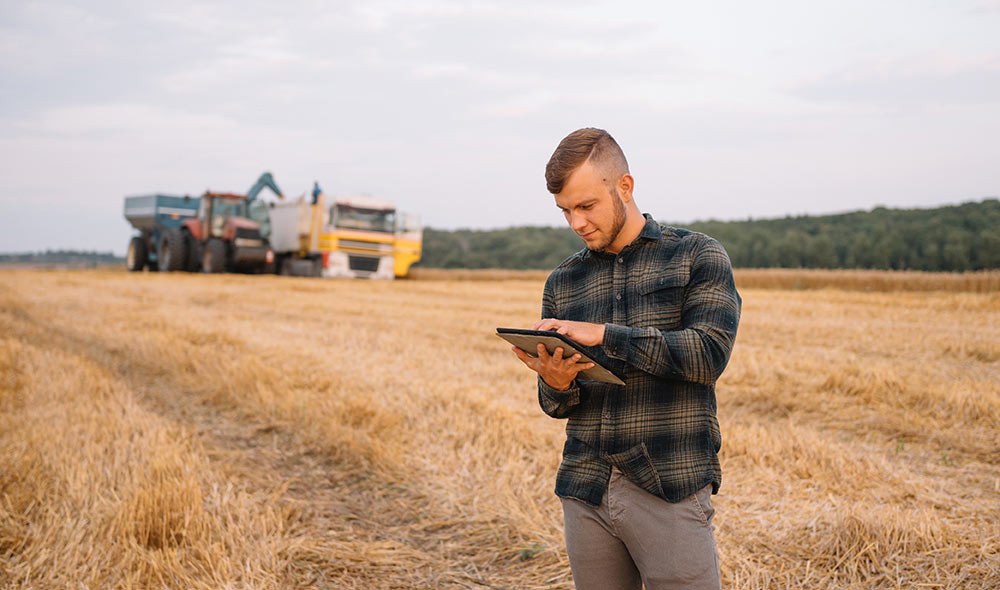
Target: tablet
527,340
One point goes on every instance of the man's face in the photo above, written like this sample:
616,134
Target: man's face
592,206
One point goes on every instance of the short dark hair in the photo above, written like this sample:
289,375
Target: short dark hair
576,148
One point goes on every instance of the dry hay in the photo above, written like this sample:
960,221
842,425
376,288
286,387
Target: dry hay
984,281
228,432
779,278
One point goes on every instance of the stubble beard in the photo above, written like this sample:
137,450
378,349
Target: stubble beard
617,224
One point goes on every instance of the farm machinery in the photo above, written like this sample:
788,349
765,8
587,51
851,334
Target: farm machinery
215,232
356,237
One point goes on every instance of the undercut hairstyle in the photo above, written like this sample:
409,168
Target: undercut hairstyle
588,143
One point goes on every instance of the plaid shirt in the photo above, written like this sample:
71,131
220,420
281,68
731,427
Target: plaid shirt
670,310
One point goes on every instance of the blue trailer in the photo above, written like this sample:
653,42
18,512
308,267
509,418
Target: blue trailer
155,216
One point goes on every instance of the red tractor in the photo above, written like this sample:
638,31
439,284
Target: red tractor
229,234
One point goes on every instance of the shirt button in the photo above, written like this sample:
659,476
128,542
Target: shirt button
620,260
618,297
607,415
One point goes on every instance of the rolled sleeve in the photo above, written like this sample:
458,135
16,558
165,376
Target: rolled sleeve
558,403
616,341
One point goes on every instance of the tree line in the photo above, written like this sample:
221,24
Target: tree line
953,238
62,257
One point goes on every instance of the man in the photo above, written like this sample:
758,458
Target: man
658,306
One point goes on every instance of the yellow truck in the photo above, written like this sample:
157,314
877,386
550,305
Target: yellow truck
353,236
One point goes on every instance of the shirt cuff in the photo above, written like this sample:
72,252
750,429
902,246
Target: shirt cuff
567,397
616,341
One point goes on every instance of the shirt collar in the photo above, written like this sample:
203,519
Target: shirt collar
650,231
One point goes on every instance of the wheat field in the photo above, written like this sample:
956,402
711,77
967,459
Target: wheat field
224,431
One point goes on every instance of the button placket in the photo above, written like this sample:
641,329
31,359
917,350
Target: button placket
618,287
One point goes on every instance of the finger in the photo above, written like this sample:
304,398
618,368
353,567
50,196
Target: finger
543,353
530,361
557,354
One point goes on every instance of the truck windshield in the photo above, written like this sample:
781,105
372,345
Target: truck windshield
347,217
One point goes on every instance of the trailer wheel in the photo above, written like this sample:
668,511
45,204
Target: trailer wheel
172,250
135,259
193,262
214,258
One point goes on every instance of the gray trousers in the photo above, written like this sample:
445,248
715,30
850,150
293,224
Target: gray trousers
635,538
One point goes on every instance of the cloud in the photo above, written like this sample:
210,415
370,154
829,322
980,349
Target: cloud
987,7
921,80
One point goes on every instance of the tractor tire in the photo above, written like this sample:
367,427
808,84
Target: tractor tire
214,257
173,250
193,262
135,259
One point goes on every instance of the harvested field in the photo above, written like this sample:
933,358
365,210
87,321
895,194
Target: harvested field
199,431
984,281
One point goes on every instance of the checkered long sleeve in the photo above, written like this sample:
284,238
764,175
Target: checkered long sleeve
671,310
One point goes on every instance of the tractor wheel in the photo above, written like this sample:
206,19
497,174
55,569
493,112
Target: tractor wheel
173,252
135,259
214,257
193,262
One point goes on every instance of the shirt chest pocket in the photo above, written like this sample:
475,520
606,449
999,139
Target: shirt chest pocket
660,301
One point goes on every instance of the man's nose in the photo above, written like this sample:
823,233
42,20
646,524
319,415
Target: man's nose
577,221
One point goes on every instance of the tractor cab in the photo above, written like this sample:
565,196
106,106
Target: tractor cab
220,214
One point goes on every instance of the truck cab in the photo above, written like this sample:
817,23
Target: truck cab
359,238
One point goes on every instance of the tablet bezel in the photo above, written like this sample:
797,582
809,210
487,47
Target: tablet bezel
528,340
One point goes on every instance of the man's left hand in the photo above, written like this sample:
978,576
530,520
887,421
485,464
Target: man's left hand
582,332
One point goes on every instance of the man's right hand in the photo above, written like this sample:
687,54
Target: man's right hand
556,371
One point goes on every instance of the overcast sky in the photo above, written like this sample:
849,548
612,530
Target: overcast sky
724,109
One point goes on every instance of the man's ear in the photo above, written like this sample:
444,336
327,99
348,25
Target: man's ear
625,185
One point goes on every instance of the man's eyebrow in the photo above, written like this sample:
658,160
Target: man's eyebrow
580,204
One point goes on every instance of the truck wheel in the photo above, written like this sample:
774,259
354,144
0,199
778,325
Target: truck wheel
135,259
172,250
214,258
193,262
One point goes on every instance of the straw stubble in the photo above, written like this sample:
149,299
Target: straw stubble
226,431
